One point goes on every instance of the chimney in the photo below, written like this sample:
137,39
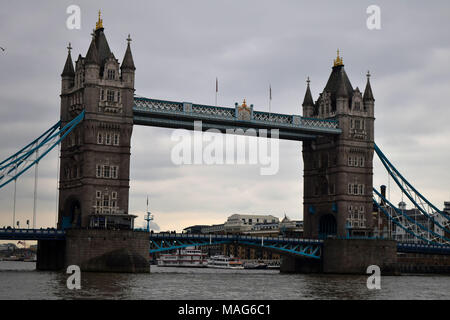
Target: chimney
383,193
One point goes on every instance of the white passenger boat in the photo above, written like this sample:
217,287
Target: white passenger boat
224,262
183,258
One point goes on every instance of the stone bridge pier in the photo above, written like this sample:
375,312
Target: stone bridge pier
347,256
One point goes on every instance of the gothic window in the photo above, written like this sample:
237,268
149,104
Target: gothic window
116,139
361,189
118,96
114,172
352,124
111,74
361,161
105,200
98,194
108,138
106,172
100,138
110,95
113,195
98,171
357,106
98,206
102,95
355,189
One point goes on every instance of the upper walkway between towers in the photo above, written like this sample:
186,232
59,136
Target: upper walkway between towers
170,114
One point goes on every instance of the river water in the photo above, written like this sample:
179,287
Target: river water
20,280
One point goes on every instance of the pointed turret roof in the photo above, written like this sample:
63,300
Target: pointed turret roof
68,70
308,100
101,43
368,95
92,55
102,46
338,81
343,90
128,62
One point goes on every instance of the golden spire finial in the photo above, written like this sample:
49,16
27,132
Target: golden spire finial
244,104
99,23
338,61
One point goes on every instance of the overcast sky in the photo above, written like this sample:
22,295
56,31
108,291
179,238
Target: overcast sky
180,47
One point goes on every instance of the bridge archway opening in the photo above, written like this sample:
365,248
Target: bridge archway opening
327,226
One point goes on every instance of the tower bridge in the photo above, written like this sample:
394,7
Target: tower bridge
98,111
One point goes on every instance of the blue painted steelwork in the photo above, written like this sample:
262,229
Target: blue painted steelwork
32,234
17,164
309,248
183,114
425,206
436,237
383,210
423,248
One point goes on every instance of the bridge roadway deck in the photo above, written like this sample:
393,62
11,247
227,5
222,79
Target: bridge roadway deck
54,234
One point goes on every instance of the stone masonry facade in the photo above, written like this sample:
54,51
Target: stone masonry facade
338,170
95,157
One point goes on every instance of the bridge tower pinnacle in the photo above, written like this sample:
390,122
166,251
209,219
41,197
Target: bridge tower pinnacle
338,170
95,157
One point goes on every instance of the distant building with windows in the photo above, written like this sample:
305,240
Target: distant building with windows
239,223
248,224
258,225
215,229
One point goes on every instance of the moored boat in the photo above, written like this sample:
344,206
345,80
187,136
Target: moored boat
224,262
183,258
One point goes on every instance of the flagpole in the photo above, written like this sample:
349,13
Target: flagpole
217,89
270,102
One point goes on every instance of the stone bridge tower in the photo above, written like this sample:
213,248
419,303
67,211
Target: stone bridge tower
95,157
338,170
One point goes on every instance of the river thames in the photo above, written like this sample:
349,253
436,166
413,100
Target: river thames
20,280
